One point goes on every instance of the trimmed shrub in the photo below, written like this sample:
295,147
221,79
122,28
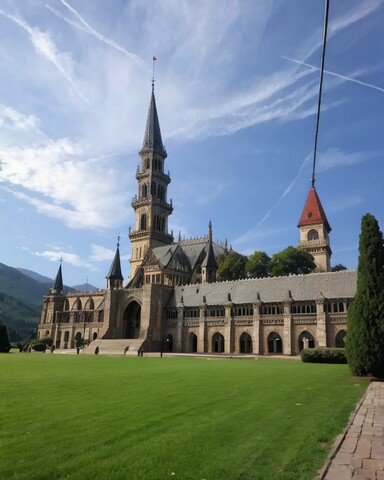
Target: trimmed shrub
323,355
39,347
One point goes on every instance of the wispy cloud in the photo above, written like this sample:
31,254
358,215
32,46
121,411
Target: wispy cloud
343,203
337,158
45,46
86,27
67,257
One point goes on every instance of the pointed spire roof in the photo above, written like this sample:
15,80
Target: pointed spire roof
313,211
210,257
115,270
152,136
58,285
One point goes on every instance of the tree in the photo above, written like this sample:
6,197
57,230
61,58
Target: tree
291,261
258,264
231,266
365,338
5,346
338,268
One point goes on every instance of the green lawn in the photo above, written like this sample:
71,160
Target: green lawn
95,417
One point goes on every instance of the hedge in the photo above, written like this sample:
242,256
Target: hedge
323,355
39,347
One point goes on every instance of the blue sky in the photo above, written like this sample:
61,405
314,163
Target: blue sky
236,91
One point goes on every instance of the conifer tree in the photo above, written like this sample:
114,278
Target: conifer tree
365,337
5,346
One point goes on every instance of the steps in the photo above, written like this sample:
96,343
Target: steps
114,347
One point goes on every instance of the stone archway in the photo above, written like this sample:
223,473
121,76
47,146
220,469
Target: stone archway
132,320
246,343
275,344
340,339
193,342
218,343
306,340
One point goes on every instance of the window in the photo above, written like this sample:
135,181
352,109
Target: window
143,221
313,235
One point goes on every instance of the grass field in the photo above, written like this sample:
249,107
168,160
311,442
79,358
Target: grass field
95,417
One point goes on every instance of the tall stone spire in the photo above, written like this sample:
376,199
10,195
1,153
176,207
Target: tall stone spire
115,277
209,265
151,206
314,232
58,285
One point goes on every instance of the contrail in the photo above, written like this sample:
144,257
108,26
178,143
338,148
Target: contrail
87,28
44,45
349,79
286,191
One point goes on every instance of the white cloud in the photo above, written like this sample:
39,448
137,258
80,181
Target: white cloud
336,158
100,254
67,257
343,203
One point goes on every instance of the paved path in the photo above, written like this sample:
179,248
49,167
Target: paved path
360,455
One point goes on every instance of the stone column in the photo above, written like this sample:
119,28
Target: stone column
179,327
321,327
256,328
202,330
229,333
287,340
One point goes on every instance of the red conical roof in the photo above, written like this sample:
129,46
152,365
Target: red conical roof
313,211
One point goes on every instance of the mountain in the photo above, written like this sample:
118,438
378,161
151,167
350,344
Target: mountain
20,286
36,276
20,318
85,287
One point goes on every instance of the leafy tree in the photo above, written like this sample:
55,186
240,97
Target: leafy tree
231,266
5,346
365,339
258,264
338,268
291,261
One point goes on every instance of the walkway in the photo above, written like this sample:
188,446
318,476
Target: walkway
360,453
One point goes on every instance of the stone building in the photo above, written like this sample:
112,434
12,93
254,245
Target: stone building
173,301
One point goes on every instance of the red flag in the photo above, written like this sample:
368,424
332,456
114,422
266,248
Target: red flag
154,58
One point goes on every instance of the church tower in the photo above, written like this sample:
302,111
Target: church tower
151,206
314,232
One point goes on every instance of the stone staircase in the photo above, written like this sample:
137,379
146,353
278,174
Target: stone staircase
114,347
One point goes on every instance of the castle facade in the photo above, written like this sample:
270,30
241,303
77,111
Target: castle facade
173,301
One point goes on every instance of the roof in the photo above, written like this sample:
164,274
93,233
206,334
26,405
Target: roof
115,270
152,135
313,211
58,285
272,289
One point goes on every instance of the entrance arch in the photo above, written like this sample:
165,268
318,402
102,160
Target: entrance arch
192,342
275,344
306,340
217,343
340,339
169,342
246,343
132,320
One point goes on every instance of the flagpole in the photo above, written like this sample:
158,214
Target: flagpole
153,73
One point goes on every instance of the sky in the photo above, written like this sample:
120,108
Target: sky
236,85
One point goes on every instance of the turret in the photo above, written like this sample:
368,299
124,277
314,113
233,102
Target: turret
115,277
209,265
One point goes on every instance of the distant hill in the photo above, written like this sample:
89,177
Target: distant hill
85,287
36,276
20,318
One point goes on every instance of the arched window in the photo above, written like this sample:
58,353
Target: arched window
217,343
143,221
306,340
94,335
78,304
340,339
275,344
144,190
245,343
66,304
313,235
147,163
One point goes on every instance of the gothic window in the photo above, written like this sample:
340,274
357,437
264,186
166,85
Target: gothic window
218,343
66,304
147,163
313,235
143,221
306,340
340,339
245,343
144,190
153,188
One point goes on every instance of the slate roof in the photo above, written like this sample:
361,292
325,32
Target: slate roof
58,285
188,254
313,211
152,135
273,289
115,270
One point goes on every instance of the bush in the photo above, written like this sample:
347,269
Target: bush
39,347
323,355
